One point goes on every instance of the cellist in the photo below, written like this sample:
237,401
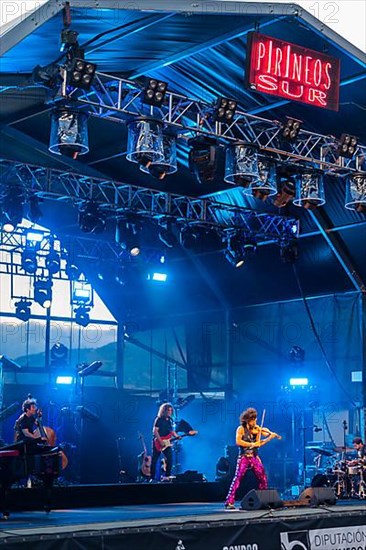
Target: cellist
27,428
249,439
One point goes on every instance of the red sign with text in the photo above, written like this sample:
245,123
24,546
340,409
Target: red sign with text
292,72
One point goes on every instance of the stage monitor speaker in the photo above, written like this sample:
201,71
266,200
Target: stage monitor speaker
257,500
318,495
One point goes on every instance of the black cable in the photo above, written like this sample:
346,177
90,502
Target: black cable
330,368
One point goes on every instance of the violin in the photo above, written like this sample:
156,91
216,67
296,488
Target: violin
258,431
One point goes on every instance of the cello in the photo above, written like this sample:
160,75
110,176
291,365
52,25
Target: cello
50,436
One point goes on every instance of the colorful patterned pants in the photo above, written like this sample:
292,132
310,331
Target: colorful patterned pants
243,464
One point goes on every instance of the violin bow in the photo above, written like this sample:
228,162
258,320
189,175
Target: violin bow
262,423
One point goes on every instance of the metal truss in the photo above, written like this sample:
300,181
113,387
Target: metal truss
120,100
117,199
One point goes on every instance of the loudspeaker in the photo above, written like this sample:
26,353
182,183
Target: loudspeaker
318,495
256,500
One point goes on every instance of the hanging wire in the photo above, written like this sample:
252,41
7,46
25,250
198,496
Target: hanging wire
318,339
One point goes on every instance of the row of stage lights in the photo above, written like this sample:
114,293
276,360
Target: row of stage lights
155,152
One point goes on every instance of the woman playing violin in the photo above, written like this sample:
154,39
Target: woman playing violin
248,438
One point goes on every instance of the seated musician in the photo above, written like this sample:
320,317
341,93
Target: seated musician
27,429
163,430
360,448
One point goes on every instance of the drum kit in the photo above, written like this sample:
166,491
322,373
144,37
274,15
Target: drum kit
344,474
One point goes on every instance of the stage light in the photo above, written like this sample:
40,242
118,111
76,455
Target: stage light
166,234
145,142
289,251
297,354
295,228
225,110
239,248
203,158
160,277
69,39
291,129
189,237
299,381
53,262
356,192
64,380
69,132
241,165
43,292
59,354
127,235
23,309
12,206
82,316
29,261
266,184
48,75
309,189
91,218
81,292
34,211
166,166
71,270
347,146
154,92
81,73
356,376
286,191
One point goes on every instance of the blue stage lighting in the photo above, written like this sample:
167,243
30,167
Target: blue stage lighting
81,292
299,381
65,380
161,277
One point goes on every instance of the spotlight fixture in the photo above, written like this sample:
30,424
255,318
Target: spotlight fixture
82,316
286,190
297,354
203,158
86,369
43,292
34,211
225,110
189,237
9,364
12,207
166,234
128,236
309,189
53,262
91,219
166,166
71,270
81,73
238,249
154,92
145,144
291,129
241,165
29,261
81,292
58,354
23,309
356,192
347,146
69,132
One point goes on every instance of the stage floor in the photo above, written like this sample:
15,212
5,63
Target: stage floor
124,519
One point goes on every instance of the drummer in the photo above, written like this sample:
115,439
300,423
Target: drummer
360,447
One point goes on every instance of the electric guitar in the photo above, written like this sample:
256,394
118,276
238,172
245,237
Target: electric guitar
144,459
167,440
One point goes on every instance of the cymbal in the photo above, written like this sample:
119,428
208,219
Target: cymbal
344,450
320,451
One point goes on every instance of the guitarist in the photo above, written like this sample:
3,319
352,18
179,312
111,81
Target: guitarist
163,430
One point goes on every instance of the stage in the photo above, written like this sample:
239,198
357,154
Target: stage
190,525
